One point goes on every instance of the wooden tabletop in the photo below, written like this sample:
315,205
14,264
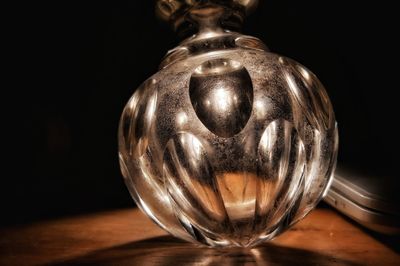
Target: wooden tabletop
127,237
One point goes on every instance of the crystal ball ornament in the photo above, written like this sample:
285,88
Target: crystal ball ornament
227,144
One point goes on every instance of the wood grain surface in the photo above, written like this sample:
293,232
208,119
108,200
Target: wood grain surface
127,237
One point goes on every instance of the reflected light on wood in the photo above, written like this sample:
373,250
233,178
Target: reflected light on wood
127,237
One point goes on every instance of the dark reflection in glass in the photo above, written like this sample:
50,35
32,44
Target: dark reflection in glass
221,93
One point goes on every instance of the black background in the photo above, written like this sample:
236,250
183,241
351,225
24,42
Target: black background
73,66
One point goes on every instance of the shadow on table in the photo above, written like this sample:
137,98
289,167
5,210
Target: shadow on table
168,251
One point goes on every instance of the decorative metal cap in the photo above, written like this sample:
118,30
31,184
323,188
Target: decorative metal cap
175,11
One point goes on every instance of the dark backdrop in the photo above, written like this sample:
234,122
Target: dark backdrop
74,66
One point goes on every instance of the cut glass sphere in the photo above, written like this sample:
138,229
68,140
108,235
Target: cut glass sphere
228,144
